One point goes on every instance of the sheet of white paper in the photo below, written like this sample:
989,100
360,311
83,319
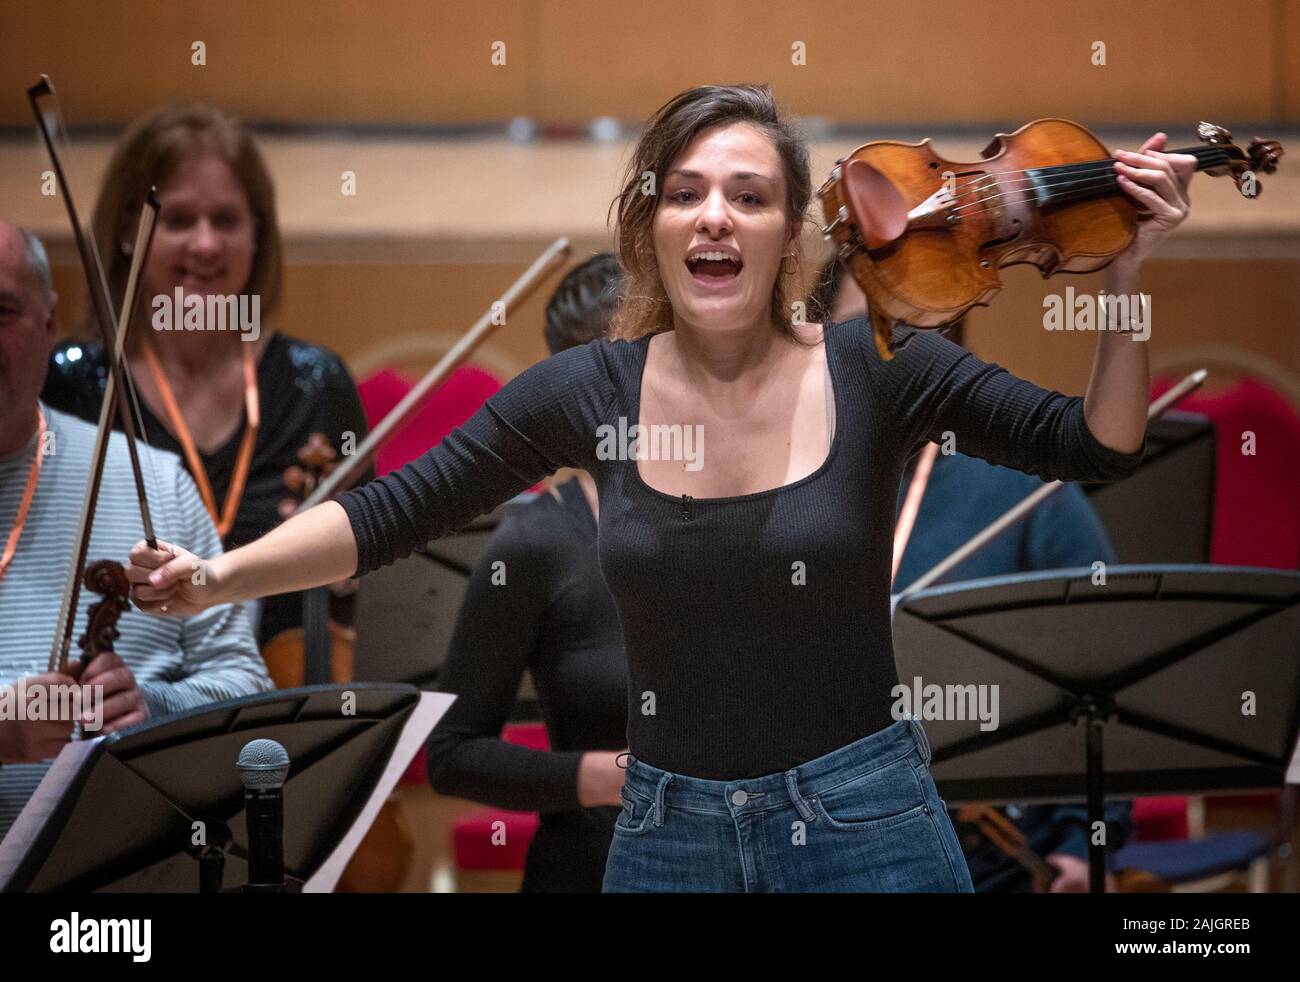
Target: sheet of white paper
419,725
39,806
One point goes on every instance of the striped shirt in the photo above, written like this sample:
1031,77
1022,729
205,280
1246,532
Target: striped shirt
179,663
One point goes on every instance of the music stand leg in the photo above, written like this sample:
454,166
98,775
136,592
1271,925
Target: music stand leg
1096,806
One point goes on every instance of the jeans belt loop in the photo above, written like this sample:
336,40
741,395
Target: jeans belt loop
792,785
659,799
922,741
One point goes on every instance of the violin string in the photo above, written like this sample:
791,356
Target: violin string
1062,180
1060,187
1074,172
1030,185
1086,166
1021,194
1076,183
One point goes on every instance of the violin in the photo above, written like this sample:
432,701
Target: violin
321,650
925,237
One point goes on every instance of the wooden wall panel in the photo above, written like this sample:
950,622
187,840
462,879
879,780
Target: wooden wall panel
1285,59
888,61
1254,304
302,60
895,61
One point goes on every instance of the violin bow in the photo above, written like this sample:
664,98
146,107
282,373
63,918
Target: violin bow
348,470
1031,501
118,395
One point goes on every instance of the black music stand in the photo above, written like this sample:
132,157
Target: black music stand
118,814
1157,661
1164,513
406,613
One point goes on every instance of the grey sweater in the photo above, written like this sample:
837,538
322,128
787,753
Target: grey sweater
179,663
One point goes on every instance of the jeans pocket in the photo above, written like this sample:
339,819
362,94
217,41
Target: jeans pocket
635,818
886,797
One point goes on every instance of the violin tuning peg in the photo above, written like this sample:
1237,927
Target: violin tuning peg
1212,133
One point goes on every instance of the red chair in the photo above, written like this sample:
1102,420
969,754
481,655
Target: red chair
455,401
448,407
496,839
1256,523
1160,819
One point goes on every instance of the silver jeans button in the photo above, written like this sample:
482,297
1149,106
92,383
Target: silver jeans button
739,797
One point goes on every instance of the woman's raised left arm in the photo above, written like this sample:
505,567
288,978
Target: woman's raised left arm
1116,402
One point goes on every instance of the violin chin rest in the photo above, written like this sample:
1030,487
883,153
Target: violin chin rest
875,206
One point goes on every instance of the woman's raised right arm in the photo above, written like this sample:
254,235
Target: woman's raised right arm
544,419
309,550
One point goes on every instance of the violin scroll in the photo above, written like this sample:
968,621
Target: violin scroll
107,579
1261,156
317,460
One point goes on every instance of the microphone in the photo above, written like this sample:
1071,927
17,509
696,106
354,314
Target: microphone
263,765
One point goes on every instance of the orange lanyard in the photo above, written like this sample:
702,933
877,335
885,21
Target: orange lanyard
225,519
912,505
29,492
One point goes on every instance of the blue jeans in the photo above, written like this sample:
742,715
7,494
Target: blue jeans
864,818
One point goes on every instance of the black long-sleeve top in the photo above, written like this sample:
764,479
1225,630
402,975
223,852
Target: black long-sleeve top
756,626
536,601
302,389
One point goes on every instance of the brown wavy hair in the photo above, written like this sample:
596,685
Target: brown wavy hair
645,307
150,152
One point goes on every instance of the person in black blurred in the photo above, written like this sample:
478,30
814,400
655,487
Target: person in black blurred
537,601
961,496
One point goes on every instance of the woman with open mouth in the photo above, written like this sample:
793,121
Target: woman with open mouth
754,589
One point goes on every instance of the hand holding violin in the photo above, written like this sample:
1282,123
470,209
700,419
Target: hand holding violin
1159,183
30,741
124,703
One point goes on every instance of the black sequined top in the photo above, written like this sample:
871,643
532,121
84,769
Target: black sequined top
303,389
